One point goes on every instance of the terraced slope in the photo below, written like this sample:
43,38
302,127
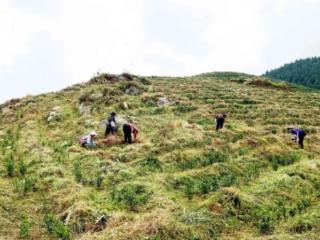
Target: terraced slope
182,180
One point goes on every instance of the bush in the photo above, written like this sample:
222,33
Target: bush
213,156
282,160
195,185
182,108
131,195
22,168
30,184
248,101
25,226
265,225
99,181
78,172
61,231
302,226
55,227
10,166
151,163
49,222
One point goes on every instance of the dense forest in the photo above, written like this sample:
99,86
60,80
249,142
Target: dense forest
302,71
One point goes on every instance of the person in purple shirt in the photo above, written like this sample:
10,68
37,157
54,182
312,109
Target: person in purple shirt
299,135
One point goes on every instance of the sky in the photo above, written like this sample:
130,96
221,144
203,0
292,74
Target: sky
46,45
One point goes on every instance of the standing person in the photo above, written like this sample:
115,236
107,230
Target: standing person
134,131
88,141
130,129
299,135
219,118
111,125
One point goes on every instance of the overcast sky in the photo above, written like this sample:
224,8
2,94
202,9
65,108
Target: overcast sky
46,45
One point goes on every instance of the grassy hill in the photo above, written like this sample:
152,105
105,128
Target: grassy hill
302,71
182,180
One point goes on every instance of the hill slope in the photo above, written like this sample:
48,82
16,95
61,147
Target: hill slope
304,71
182,180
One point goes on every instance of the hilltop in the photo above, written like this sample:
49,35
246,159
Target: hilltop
302,71
182,180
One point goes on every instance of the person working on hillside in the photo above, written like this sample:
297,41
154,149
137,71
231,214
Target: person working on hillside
130,129
220,118
299,135
88,141
111,127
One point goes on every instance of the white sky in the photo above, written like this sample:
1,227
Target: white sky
46,45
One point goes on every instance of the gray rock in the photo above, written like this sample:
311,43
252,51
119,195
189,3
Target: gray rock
54,115
84,109
96,96
125,105
56,109
133,91
163,101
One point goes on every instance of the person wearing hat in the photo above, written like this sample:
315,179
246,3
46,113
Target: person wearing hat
111,127
88,141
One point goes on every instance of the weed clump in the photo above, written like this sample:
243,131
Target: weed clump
196,185
302,226
266,225
10,166
55,227
209,158
25,226
282,160
151,163
131,196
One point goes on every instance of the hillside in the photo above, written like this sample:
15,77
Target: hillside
304,71
182,180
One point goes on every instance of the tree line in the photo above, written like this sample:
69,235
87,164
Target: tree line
303,71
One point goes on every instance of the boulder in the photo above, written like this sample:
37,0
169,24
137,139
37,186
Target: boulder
133,91
84,109
125,106
96,96
55,115
56,109
163,101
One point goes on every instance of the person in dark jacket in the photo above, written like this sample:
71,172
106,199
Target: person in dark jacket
130,129
127,133
299,135
220,118
111,127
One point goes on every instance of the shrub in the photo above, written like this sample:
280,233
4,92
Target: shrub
131,195
29,184
301,226
10,166
213,156
195,185
248,101
182,108
49,222
55,227
78,172
22,168
61,231
25,226
282,160
99,181
151,163
265,225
